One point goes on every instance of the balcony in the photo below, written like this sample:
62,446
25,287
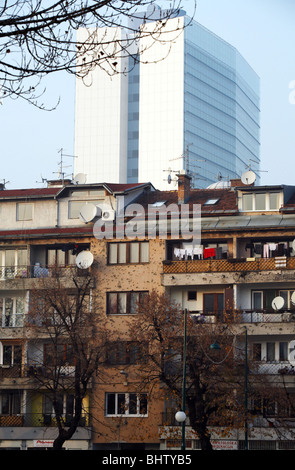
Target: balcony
26,370
227,271
26,277
238,316
228,265
35,420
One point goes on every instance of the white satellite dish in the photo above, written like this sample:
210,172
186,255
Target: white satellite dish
277,303
80,178
248,177
293,298
88,212
84,259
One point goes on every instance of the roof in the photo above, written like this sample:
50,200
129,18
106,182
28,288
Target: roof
55,191
225,200
28,193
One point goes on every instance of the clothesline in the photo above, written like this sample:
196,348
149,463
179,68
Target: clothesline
199,251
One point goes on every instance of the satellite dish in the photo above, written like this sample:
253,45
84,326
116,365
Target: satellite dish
88,212
277,303
293,298
80,178
169,179
248,177
84,259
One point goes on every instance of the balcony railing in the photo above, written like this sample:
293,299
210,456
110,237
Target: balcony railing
36,419
227,265
244,316
36,271
27,370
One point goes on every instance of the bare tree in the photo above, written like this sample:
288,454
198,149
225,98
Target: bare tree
214,379
65,347
38,38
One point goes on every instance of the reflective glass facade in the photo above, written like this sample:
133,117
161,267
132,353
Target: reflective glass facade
221,108
201,100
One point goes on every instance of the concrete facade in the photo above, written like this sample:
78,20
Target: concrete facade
245,259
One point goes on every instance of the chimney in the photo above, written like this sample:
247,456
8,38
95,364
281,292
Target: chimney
238,182
184,183
58,183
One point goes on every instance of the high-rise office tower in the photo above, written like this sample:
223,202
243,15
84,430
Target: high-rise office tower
190,102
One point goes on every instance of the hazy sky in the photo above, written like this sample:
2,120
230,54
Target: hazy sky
262,30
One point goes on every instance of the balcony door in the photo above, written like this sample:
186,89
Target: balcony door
213,304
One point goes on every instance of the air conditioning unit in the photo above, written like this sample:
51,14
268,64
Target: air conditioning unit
108,214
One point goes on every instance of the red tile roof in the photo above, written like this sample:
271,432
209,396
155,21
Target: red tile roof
226,200
28,193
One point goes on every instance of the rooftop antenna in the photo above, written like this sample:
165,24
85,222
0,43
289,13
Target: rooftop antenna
44,180
61,172
186,158
251,169
4,183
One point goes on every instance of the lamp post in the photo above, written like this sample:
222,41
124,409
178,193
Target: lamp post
246,389
180,415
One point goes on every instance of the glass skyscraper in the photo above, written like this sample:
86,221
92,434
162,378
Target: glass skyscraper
190,102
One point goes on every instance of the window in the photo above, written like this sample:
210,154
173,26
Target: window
12,354
64,405
127,404
247,201
158,204
60,257
58,354
124,302
260,204
211,202
263,299
129,252
10,402
13,263
12,311
257,300
192,295
261,201
126,352
287,294
274,201
271,351
24,211
75,207
213,304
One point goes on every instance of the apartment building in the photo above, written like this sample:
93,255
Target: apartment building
41,230
243,262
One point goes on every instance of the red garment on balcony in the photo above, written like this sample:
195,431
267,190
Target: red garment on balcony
208,252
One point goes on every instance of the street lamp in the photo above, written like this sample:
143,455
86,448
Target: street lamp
180,416
246,389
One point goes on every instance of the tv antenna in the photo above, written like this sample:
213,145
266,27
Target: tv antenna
4,183
61,172
251,169
186,160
